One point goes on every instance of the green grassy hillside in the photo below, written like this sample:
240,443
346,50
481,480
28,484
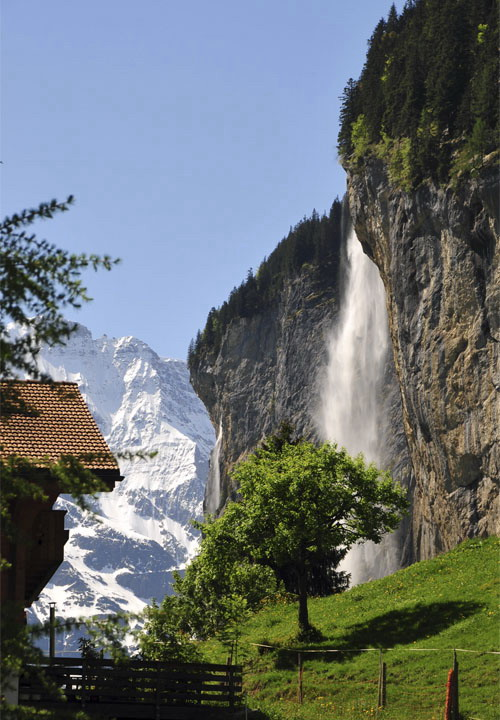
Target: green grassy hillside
412,620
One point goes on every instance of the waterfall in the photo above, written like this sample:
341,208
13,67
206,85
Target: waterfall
212,492
351,412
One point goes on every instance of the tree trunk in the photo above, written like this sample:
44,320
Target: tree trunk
303,611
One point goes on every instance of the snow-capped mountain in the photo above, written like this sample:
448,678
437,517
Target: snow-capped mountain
123,556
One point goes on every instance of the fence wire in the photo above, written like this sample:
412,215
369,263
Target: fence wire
414,686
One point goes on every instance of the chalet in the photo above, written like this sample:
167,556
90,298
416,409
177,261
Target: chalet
55,423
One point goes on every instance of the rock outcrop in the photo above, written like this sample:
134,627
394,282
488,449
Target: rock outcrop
437,250
266,371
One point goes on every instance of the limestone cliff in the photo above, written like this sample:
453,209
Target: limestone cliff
437,250
266,371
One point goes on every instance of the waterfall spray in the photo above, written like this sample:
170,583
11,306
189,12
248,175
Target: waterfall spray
351,412
212,492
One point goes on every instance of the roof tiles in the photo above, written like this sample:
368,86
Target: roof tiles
62,425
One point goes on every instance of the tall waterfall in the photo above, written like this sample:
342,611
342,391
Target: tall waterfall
351,410
212,492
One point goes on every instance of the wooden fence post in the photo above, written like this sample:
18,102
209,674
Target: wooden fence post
382,682
454,698
158,694
300,694
231,686
449,696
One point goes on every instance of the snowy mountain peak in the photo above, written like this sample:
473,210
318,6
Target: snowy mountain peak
140,402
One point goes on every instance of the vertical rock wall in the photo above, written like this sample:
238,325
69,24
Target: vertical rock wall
438,254
266,370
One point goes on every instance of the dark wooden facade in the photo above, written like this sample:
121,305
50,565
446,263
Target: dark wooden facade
56,423
34,551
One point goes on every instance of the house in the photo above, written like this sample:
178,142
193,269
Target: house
54,424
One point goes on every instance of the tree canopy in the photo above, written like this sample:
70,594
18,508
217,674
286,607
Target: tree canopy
426,101
301,507
37,280
314,241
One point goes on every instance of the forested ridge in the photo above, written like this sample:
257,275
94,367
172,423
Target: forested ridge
313,241
427,98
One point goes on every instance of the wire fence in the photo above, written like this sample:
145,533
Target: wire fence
393,682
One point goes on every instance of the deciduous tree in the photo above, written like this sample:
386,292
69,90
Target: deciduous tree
301,506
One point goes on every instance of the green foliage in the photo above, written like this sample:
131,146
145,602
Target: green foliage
300,503
360,138
448,602
482,29
471,155
349,112
161,639
314,241
397,154
221,583
429,78
37,279
88,649
301,508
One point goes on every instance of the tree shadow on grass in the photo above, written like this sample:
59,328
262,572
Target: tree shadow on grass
397,627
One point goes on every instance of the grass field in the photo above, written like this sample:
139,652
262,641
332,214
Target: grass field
411,620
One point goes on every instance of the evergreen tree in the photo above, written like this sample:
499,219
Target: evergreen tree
428,84
312,240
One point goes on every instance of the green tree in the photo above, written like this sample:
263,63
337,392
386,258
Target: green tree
223,580
161,637
430,75
301,506
37,280
300,502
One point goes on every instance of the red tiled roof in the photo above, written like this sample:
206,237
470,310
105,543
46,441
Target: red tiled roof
63,425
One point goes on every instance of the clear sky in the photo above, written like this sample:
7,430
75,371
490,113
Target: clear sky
193,134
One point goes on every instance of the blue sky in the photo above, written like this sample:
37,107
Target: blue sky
193,135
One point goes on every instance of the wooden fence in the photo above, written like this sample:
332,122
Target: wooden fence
135,689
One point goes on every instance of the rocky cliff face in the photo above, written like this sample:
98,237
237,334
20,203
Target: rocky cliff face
265,372
438,255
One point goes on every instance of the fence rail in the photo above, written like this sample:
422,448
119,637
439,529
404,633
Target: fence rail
135,689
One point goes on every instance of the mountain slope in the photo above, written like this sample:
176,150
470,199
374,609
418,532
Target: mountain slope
123,557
